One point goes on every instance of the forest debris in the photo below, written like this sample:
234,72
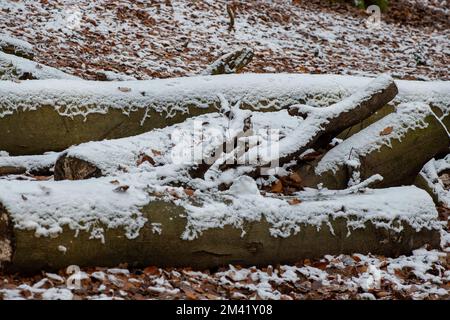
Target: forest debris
232,62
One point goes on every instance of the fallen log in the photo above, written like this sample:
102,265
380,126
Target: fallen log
428,179
156,147
16,47
41,116
96,225
16,69
321,125
37,165
396,147
232,62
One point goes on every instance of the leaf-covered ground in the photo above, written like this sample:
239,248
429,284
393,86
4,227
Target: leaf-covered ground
166,38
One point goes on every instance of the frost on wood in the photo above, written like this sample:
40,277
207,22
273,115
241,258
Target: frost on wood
256,91
46,207
30,164
99,222
157,144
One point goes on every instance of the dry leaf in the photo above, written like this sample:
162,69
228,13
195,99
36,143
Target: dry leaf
156,152
295,177
123,188
294,201
277,187
386,131
151,271
145,158
189,192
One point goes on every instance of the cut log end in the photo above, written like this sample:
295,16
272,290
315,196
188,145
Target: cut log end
69,168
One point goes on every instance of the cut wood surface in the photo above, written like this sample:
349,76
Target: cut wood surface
48,115
406,225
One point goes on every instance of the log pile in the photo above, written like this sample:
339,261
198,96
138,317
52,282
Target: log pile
239,202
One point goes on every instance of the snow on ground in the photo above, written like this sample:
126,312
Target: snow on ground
16,68
180,38
423,275
163,38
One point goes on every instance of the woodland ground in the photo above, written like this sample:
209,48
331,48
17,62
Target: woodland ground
180,38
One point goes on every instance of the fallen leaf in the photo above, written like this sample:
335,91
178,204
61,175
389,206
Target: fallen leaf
123,188
151,271
295,177
189,192
156,152
145,158
294,201
277,187
386,131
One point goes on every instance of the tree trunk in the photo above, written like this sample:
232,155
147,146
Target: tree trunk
387,147
52,115
390,235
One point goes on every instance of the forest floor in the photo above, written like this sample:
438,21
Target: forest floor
168,38
181,38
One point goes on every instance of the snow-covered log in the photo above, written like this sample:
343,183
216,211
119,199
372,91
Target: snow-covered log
16,47
232,62
51,115
16,69
396,147
108,157
321,125
96,222
38,165
429,180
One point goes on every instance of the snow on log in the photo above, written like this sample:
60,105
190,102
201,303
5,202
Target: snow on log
16,47
428,179
51,115
95,222
16,69
37,165
156,148
232,62
320,125
396,147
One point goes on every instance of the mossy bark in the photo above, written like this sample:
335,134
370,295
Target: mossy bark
398,163
215,247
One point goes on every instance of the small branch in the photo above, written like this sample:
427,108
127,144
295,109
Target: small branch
231,15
